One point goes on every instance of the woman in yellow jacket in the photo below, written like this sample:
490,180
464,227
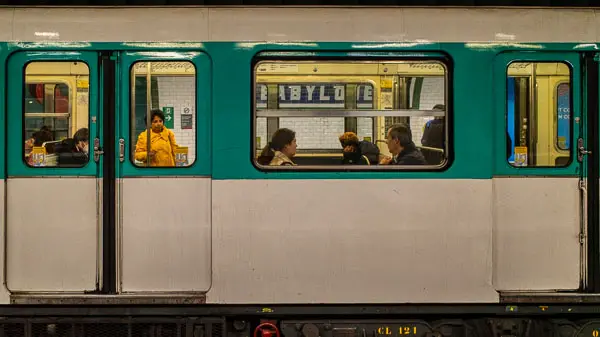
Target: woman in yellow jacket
162,145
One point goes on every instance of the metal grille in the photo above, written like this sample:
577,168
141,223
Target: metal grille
113,327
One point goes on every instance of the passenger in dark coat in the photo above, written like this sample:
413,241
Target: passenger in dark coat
401,146
358,152
434,132
74,151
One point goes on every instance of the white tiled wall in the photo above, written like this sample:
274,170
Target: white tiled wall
323,133
315,133
365,128
261,131
179,92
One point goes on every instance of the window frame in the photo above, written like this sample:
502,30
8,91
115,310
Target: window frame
132,109
500,62
69,114
553,106
435,57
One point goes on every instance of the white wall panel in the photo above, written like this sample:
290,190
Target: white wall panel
166,234
52,234
536,233
359,241
394,25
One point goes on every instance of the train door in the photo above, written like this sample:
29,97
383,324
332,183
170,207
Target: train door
538,221
54,188
164,199
98,217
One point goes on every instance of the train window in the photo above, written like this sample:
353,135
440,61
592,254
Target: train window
350,115
538,114
163,110
56,114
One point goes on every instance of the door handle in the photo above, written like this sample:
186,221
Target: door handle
121,150
581,150
97,150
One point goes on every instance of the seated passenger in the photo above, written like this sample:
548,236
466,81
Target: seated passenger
358,152
401,146
74,151
434,131
29,143
38,139
162,143
280,150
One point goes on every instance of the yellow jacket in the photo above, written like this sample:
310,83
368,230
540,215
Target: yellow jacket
163,143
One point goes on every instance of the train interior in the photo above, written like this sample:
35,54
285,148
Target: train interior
374,96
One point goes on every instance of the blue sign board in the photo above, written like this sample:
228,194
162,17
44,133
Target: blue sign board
563,111
262,95
510,118
364,96
312,95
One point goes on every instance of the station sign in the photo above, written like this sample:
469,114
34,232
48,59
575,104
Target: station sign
262,96
364,96
312,95
317,95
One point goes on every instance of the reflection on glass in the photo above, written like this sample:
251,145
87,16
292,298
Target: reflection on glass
340,113
163,111
56,114
538,114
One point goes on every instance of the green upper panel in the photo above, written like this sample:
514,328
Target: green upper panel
224,137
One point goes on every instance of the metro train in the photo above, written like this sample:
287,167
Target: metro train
496,235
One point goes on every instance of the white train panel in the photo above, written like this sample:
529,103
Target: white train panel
360,241
299,24
166,234
52,241
536,233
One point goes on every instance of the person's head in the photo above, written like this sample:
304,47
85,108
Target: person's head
81,138
157,120
349,141
42,136
284,141
398,137
39,137
439,107
45,128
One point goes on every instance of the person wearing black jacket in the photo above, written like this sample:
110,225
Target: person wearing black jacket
74,151
401,146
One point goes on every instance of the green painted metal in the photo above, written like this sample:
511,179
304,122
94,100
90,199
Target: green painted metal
501,63
224,102
202,120
14,118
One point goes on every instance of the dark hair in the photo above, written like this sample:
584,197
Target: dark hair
157,112
82,135
45,128
440,107
280,139
39,137
402,133
42,136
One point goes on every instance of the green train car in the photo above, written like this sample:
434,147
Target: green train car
299,172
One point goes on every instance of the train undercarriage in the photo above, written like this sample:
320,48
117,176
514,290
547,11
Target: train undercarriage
301,321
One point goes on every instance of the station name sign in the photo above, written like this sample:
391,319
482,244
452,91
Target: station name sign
315,95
